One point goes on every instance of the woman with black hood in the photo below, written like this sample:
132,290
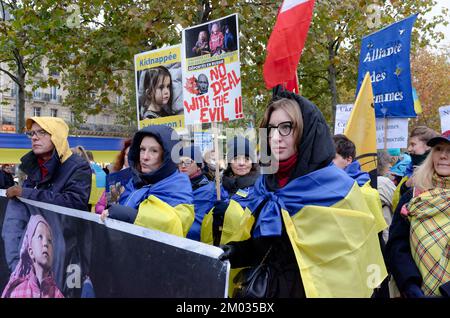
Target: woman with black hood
158,196
238,180
308,221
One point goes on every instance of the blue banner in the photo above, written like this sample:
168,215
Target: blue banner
385,55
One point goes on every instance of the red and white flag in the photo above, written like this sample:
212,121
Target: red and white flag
286,42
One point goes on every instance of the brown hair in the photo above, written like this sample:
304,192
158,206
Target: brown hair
292,109
120,159
423,133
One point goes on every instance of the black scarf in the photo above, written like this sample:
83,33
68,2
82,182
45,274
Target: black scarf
199,181
418,159
233,183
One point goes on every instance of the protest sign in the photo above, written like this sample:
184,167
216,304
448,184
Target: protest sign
211,72
204,140
385,55
396,133
159,94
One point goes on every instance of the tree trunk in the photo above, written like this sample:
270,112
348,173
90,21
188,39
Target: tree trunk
204,12
332,81
21,98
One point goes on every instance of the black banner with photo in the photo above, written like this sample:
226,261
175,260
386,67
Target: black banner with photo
60,252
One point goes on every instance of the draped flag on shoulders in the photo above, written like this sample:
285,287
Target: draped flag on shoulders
286,43
335,260
361,128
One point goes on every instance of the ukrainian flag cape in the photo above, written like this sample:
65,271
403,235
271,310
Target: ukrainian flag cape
166,206
204,198
370,194
332,231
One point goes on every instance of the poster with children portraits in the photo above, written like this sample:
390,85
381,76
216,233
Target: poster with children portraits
211,72
159,92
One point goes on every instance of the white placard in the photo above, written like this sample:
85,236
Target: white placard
343,112
397,128
444,113
397,133
204,140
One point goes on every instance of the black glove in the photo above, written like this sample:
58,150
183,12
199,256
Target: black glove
412,290
220,207
445,289
228,252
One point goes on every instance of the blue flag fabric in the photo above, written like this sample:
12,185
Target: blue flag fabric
355,172
385,55
122,177
100,175
174,190
323,187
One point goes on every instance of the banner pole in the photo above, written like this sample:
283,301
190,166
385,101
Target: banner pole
216,155
385,133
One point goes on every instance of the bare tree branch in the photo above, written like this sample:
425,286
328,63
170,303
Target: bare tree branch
12,76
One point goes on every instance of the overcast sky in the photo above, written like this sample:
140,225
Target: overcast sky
445,29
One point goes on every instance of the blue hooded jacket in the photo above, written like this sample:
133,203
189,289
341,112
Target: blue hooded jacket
165,184
354,171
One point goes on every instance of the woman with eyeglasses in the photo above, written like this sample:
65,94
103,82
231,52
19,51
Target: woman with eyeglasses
204,191
158,196
237,184
307,218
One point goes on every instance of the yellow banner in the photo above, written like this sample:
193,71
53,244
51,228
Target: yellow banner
176,122
156,58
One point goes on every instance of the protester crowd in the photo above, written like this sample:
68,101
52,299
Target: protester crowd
315,219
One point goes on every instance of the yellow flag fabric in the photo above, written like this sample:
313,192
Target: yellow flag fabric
231,223
96,193
343,258
361,127
396,196
372,197
347,261
417,104
156,214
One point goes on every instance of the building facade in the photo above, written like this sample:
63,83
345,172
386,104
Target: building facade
49,102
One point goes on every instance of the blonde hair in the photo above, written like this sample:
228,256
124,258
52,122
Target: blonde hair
423,176
292,108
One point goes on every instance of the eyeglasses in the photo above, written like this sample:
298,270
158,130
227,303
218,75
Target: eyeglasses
40,133
284,128
185,162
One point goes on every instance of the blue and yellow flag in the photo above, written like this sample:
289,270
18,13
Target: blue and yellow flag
361,127
417,105
161,206
332,231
